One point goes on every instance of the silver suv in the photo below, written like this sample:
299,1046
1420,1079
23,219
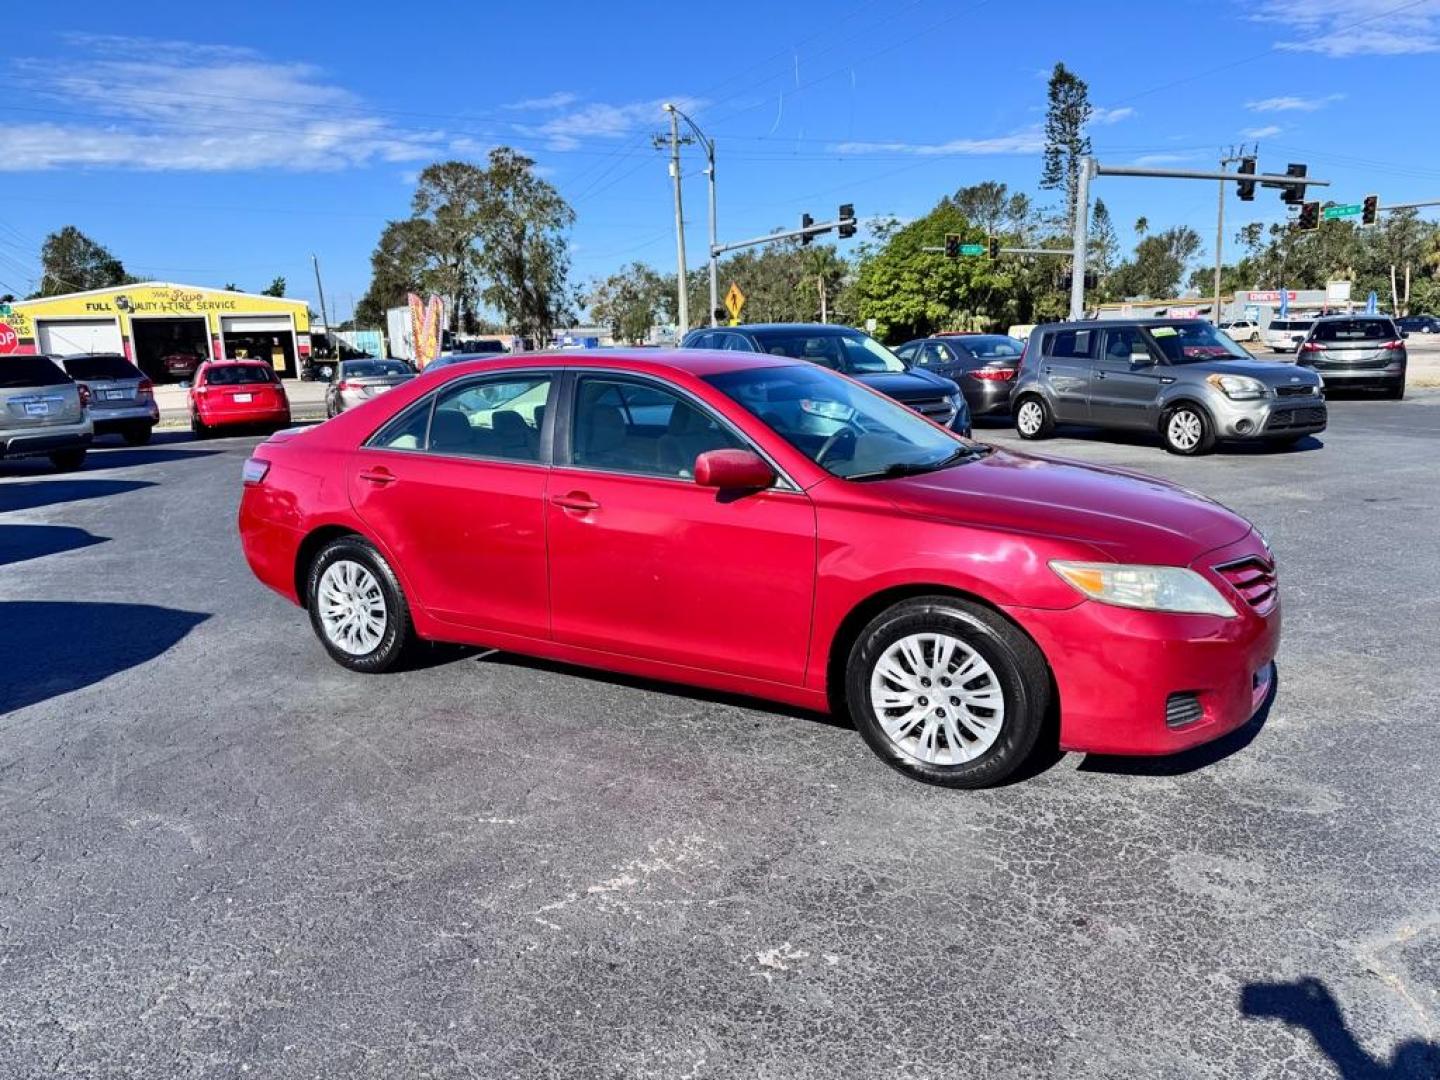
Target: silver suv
42,412
1180,378
122,397
1357,351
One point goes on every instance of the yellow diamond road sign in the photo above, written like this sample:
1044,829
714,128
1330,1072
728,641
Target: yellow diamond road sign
734,302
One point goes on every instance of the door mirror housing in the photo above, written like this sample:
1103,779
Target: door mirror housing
733,469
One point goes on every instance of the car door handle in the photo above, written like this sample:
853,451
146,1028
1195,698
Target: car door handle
1099,374
576,500
379,475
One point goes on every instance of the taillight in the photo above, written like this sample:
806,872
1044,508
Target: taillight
145,389
994,374
254,470
84,392
1312,346
1393,345
346,384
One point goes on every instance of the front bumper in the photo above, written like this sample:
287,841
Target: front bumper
1271,417
1116,669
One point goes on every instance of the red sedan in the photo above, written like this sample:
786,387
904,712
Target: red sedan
768,527
235,393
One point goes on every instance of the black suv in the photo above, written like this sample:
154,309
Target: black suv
850,352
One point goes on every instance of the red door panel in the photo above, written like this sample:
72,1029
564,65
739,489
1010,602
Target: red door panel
667,569
470,534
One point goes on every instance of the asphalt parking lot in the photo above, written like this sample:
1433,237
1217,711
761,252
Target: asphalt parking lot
222,855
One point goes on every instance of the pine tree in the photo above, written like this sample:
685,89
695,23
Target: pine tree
1066,143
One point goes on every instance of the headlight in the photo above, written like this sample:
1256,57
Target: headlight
1237,387
1153,588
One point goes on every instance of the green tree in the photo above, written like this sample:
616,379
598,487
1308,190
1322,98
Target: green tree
230,286
1067,112
275,288
628,302
994,208
396,268
1104,244
450,199
1158,265
71,262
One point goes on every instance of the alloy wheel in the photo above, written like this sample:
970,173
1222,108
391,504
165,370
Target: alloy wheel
352,607
1185,430
1029,418
937,699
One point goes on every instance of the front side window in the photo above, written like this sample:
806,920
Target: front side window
1127,347
846,429
634,427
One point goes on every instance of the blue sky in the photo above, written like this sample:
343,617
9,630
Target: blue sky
228,148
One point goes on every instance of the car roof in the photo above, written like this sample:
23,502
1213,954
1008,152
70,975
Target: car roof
1101,324
232,361
697,362
1358,315
826,328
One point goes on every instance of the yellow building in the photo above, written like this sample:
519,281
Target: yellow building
153,320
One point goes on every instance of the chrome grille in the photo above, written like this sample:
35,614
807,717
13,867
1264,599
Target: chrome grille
1254,579
1183,709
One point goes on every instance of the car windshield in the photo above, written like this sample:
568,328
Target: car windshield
103,366
849,351
1191,343
1354,330
372,369
844,428
30,371
238,374
991,346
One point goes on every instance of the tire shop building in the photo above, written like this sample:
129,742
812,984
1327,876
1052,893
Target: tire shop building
153,320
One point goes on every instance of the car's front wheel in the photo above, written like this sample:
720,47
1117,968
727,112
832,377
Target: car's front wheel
68,460
1033,419
138,435
357,607
947,691
1187,431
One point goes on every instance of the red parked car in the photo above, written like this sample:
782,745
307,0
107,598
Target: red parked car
765,526
235,393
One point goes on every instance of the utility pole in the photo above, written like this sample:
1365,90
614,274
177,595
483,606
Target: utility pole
1080,238
324,317
709,145
824,312
681,285
1231,158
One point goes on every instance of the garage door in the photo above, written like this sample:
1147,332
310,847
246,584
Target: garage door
78,336
256,324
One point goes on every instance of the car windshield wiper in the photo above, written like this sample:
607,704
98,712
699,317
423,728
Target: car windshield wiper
915,468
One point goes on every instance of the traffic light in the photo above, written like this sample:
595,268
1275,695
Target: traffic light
994,247
805,222
1371,212
1246,188
952,245
847,221
1309,217
1293,194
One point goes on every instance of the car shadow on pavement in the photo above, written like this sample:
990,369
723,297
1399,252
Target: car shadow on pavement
1308,1004
1145,439
124,457
1187,761
693,693
54,647
32,494
21,542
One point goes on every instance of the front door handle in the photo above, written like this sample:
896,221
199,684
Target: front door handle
576,500
379,475
1099,374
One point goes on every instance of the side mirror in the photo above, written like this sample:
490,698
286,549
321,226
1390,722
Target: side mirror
733,469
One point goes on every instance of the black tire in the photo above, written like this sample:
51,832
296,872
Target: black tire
1016,663
138,435
198,428
398,635
1025,409
1396,392
68,460
1190,418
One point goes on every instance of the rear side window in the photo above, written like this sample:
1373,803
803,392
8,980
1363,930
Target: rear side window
1074,344
101,367
16,371
238,375
1356,330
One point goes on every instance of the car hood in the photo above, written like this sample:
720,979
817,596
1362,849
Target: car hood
909,385
1127,516
1269,372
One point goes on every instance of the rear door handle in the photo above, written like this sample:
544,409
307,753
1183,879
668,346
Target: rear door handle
576,500
379,475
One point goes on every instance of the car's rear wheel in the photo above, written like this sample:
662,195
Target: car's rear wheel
1187,431
947,691
357,607
197,426
1395,392
1033,419
138,435
68,460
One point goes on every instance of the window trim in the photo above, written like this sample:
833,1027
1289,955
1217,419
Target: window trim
545,458
570,398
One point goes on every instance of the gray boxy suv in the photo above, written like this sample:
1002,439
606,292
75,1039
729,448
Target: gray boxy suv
1180,378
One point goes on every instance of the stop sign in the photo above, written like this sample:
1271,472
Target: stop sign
9,339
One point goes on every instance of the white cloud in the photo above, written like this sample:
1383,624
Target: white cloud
1163,159
1261,132
1293,104
1111,116
557,100
600,120
1027,141
1342,28
176,106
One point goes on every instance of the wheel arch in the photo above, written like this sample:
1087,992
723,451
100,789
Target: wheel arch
309,547
1183,397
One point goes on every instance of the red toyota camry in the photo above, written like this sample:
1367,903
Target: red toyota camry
765,526
232,393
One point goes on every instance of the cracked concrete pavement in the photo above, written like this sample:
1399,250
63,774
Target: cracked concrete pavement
222,855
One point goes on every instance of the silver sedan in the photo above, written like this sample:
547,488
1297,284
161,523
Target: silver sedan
357,381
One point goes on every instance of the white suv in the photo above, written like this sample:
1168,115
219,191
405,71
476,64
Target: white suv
1285,335
1242,330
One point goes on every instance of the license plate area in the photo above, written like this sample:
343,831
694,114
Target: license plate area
37,408
242,398
114,395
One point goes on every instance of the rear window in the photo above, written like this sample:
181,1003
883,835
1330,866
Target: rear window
238,374
1290,324
16,371
1355,330
371,369
1076,344
101,367
991,346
